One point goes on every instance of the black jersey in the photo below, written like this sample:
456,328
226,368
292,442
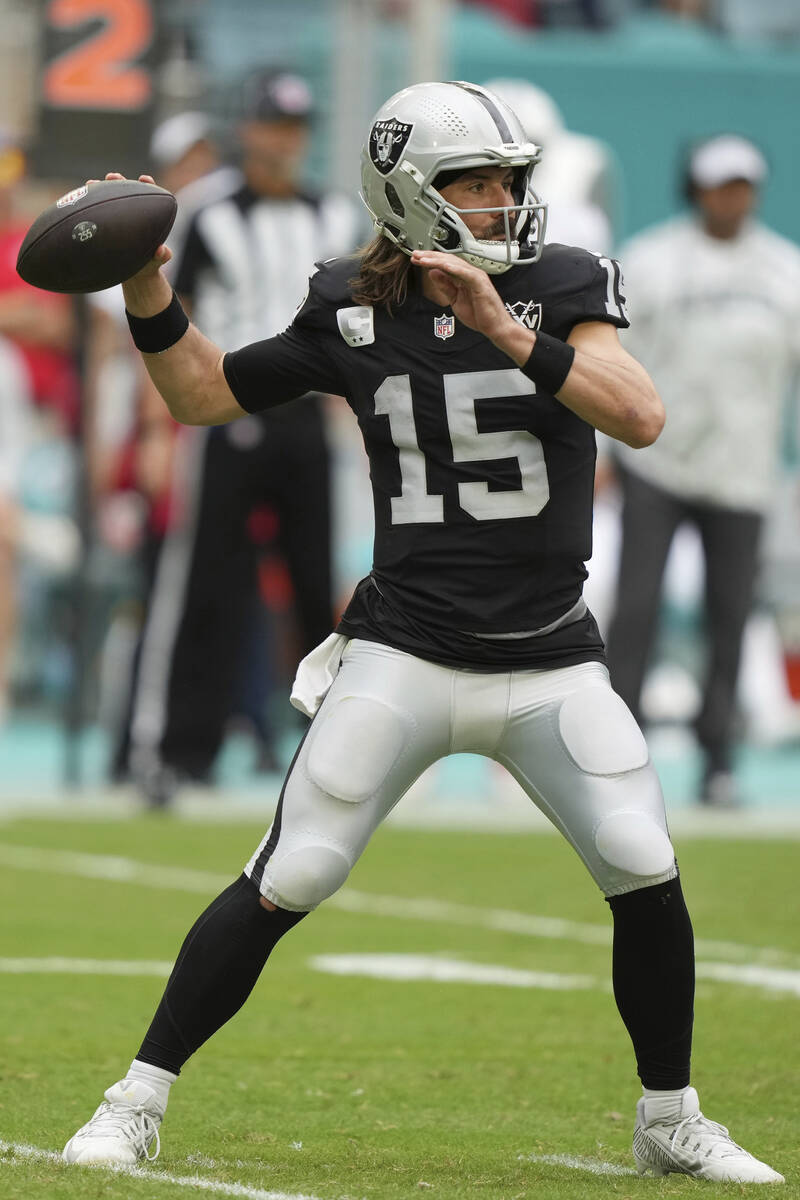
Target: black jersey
482,483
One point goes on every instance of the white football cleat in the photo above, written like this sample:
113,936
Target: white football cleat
679,1138
121,1131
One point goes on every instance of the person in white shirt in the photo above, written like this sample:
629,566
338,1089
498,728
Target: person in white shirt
716,297
578,176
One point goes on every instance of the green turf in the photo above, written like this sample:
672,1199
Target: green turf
351,1087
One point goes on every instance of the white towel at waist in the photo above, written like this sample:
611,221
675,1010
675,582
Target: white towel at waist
316,673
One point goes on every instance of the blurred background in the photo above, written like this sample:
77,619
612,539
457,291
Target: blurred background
88,86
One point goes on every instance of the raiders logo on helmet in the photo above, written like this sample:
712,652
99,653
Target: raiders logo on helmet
387,141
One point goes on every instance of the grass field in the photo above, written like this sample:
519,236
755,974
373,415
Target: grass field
348,1085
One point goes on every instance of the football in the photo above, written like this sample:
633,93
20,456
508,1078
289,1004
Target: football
96,236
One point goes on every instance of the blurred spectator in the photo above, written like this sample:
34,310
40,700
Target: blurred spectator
40,323
768,19
242,271
14,437
577,175
716,301
558,14
696,10
137,447
40,409
187,160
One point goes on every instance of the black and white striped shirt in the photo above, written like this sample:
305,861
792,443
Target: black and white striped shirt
247,259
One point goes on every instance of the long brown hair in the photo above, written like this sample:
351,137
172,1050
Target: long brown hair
383,274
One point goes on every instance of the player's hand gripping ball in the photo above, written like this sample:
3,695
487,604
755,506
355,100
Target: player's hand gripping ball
96,236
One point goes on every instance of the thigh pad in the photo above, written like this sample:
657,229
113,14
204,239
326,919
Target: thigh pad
599,733
356,744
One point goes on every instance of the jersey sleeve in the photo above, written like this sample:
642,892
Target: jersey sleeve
604,296
280,368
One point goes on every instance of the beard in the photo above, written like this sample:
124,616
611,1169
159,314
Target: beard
496,231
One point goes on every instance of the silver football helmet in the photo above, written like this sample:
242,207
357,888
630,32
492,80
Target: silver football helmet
430,128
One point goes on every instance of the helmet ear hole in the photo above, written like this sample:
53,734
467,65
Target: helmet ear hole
395,203
450,240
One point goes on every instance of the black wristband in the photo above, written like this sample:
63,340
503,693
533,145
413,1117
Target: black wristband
154,335
549,363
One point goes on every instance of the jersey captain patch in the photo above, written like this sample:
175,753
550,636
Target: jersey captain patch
357,324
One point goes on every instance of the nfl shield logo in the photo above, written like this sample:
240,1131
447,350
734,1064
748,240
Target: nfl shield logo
444,327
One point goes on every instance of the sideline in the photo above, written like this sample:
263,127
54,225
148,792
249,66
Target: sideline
208,883
16,1150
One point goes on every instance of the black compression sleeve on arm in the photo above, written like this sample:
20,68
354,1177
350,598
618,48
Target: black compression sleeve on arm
549,363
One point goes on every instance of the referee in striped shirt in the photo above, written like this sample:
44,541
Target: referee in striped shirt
242,272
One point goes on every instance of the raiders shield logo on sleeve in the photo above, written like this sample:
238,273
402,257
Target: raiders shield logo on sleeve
387,141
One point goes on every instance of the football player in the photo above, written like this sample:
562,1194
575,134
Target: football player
478,364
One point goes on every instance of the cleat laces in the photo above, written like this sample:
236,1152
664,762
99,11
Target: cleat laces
134,1124
707,1128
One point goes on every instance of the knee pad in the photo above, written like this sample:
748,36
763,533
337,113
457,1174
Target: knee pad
305,877
357,743
600,734
635,843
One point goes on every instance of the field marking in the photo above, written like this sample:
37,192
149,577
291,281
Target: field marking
774,979
595,1165
407,967
112,867
531,925
118,869
82,966
18,1150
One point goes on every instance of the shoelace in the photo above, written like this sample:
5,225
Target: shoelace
708,1127
136,1124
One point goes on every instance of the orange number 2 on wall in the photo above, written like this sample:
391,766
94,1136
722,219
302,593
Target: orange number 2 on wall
100,71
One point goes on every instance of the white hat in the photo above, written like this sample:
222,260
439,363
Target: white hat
725,158
175,136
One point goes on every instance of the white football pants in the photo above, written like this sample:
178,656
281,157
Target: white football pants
564,735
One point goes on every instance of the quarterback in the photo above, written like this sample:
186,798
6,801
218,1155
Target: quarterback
478,363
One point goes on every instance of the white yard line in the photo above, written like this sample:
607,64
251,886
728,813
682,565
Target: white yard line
406,967
126,870
773,979
112,867
440,969
82,966
530,925
595,1166
15,1150
18,1151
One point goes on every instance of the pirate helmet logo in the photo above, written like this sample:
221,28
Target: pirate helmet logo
387,141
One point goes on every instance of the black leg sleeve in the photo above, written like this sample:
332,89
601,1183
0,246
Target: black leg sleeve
653,973
216,969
